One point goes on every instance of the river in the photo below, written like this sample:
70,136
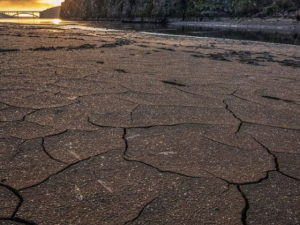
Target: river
274,36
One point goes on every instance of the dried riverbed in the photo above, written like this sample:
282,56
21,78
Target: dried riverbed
117,127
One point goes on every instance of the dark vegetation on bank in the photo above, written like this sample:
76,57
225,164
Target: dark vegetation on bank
166,10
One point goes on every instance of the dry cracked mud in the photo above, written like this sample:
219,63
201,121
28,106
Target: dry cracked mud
130,128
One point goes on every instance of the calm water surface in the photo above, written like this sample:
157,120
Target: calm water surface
284,37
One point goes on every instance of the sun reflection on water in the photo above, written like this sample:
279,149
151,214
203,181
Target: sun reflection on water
34,21
56,21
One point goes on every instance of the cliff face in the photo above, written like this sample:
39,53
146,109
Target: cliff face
162,10
139,10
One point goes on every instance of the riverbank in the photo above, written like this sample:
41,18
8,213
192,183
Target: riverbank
123,127
284,36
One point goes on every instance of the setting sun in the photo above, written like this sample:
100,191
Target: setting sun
52,2
12,5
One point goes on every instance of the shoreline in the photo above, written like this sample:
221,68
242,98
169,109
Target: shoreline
285,32
255,24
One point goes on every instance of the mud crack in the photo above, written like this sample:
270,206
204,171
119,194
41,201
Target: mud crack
13,216
235,116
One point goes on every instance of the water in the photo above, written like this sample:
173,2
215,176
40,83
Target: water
273,36
36,21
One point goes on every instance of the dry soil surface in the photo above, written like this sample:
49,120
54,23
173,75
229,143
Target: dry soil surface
104,127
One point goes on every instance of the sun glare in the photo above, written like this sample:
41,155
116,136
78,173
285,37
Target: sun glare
37,5
52,2
56,21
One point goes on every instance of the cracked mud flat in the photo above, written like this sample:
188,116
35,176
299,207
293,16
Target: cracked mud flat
128,128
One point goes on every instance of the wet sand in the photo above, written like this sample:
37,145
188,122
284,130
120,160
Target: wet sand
107,127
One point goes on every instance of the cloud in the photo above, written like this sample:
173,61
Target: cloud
25,4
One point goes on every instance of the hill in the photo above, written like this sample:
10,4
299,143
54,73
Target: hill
4,16
51,13
162,10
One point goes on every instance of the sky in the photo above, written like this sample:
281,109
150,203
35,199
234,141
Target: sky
28,4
